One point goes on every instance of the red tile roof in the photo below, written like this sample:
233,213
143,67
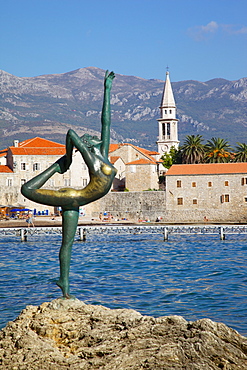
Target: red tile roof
37,151
5,169
38,142
142,161
3,152
146,152
113,159
207,169
113,147
38,146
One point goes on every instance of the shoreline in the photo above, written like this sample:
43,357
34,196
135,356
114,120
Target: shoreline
48,222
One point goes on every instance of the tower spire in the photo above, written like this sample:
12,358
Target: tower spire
167,122
167,97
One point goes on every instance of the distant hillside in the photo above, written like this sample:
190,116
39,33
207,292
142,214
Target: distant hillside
49,105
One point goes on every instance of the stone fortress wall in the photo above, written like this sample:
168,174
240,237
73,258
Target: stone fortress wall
148,205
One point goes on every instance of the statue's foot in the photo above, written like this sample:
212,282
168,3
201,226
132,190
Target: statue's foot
69,296
64,285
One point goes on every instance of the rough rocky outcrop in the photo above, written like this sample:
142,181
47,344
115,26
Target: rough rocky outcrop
68,334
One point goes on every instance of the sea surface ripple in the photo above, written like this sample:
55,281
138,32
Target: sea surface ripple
195,276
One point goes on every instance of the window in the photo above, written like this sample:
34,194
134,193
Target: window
180,201
170,111
244,181
9,182
36,167
84,182
133,168
168,130
163,130
225,198
193,184
179,183
66,182
194,201
245,199
210,184
23,166
23,181
226,183
52,182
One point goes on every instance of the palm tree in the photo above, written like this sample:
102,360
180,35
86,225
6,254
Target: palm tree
241,153
217,150
193,149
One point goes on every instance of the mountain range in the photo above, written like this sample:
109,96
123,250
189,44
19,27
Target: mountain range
48,105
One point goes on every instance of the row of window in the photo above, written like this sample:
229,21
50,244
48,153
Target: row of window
25,166
9,182
224,198
210,184
37,166
194,184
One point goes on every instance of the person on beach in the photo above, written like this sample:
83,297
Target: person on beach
95,154
29,219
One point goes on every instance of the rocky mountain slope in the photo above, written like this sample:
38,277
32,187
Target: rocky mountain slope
68,334
50,104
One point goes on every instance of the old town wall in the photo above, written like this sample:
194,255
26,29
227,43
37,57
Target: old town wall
149,205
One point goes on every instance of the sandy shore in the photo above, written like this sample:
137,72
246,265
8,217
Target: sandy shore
49,222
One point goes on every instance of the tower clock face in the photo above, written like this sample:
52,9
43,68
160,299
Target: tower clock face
164,148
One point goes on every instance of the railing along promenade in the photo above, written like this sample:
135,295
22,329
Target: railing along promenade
122,229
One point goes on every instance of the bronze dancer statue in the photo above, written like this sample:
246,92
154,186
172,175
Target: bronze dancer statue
101,172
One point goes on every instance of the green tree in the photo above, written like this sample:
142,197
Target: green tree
173,157
167,160
217,150
241,153
193,149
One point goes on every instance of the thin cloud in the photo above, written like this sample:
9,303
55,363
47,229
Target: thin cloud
233,30
201,33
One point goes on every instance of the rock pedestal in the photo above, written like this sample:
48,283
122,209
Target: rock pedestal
68,334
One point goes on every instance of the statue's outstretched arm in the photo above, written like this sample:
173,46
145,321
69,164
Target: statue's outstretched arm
106,114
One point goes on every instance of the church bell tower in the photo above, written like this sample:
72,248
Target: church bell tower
168,124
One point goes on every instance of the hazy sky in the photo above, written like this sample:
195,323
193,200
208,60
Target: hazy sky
197,39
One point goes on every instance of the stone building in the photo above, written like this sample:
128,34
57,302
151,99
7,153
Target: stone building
216,191
139,169
194,194
24,160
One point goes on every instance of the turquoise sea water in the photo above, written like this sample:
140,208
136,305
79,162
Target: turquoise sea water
192,276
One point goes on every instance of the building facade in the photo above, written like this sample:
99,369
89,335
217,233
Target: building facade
215,193
24,160
139,167
137,170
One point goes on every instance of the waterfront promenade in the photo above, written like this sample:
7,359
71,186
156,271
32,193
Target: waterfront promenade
48,226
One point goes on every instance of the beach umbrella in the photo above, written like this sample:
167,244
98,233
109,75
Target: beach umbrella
19,209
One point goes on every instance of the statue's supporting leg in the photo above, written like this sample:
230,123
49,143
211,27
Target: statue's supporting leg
69,226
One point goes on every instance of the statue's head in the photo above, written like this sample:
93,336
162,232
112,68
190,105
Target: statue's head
91,141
